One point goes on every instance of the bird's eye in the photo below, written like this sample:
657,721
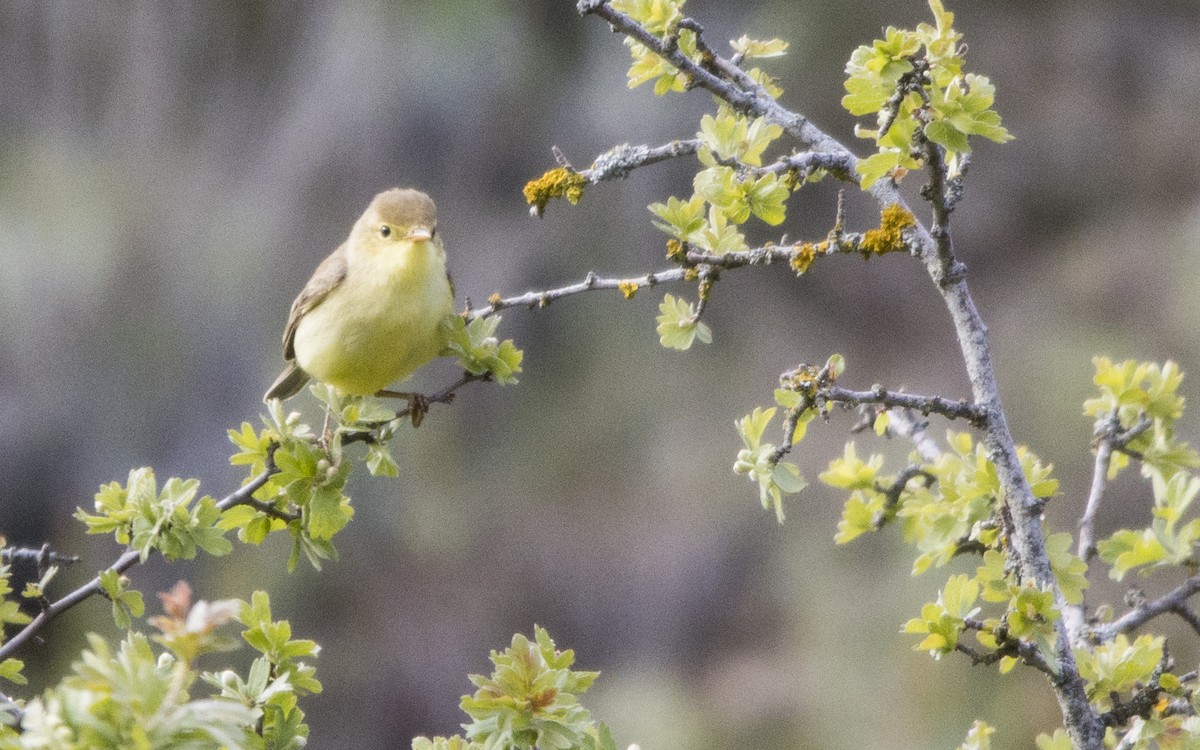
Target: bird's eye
385,230
433,233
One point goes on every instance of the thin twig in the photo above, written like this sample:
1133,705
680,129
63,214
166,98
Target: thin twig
893,492
926,405
617,163
41,556
591,283
1143,699
1027,652
905,424
1188,615
1143,613
1106,431
122,564
851,242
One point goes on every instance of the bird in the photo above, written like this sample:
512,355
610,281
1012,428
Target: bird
372,312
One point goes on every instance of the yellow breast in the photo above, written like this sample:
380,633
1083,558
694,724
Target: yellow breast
381,323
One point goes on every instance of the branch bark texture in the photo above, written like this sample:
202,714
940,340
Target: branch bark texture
934,246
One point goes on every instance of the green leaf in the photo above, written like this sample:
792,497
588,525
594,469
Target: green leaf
1126,550
767,197
380,461
751,48
656,16
850,472
979,738
948,137
883,420
883,164
752,426
683,220
678,324
787,478
10,669
1118,666
731,136
328,512
942,622
480,352
1060,740
859,515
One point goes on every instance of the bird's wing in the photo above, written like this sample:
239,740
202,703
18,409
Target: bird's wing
328,275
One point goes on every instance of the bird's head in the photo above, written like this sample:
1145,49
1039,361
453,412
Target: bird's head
397,221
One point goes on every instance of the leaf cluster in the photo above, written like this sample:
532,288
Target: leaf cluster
530,700
172,521
10,614
913,82
135,696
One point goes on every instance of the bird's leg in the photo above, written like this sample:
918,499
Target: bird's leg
325,436
418,404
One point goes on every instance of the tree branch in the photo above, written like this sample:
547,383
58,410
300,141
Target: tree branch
617,163
1174,601
1028,653
122,564
936,250
734,86
1106,431
926,405
42,556
591,282
1143,699
905,425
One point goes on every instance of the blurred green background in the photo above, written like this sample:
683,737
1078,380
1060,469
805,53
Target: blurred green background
170,174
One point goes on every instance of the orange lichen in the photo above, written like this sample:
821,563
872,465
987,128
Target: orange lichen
676,251
803,379
495,299
804,257
559,182
889,236
628,288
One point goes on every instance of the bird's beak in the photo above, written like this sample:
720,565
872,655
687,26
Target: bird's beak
419,234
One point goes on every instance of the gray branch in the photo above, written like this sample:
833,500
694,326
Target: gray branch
926,405
122,564
1174,601
935,248
617,163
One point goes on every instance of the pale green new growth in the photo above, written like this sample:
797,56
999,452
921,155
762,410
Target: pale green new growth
760,462
1119,665
1167,542
913,82
979,738
530,700
1137,391
145,519
135,697
479,352
750,48
941,622
127,603
679,325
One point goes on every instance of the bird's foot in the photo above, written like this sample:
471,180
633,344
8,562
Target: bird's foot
418,404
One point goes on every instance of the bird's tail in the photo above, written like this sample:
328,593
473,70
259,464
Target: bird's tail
288,384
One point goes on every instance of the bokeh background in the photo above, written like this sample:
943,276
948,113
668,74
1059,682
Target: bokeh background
171,173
